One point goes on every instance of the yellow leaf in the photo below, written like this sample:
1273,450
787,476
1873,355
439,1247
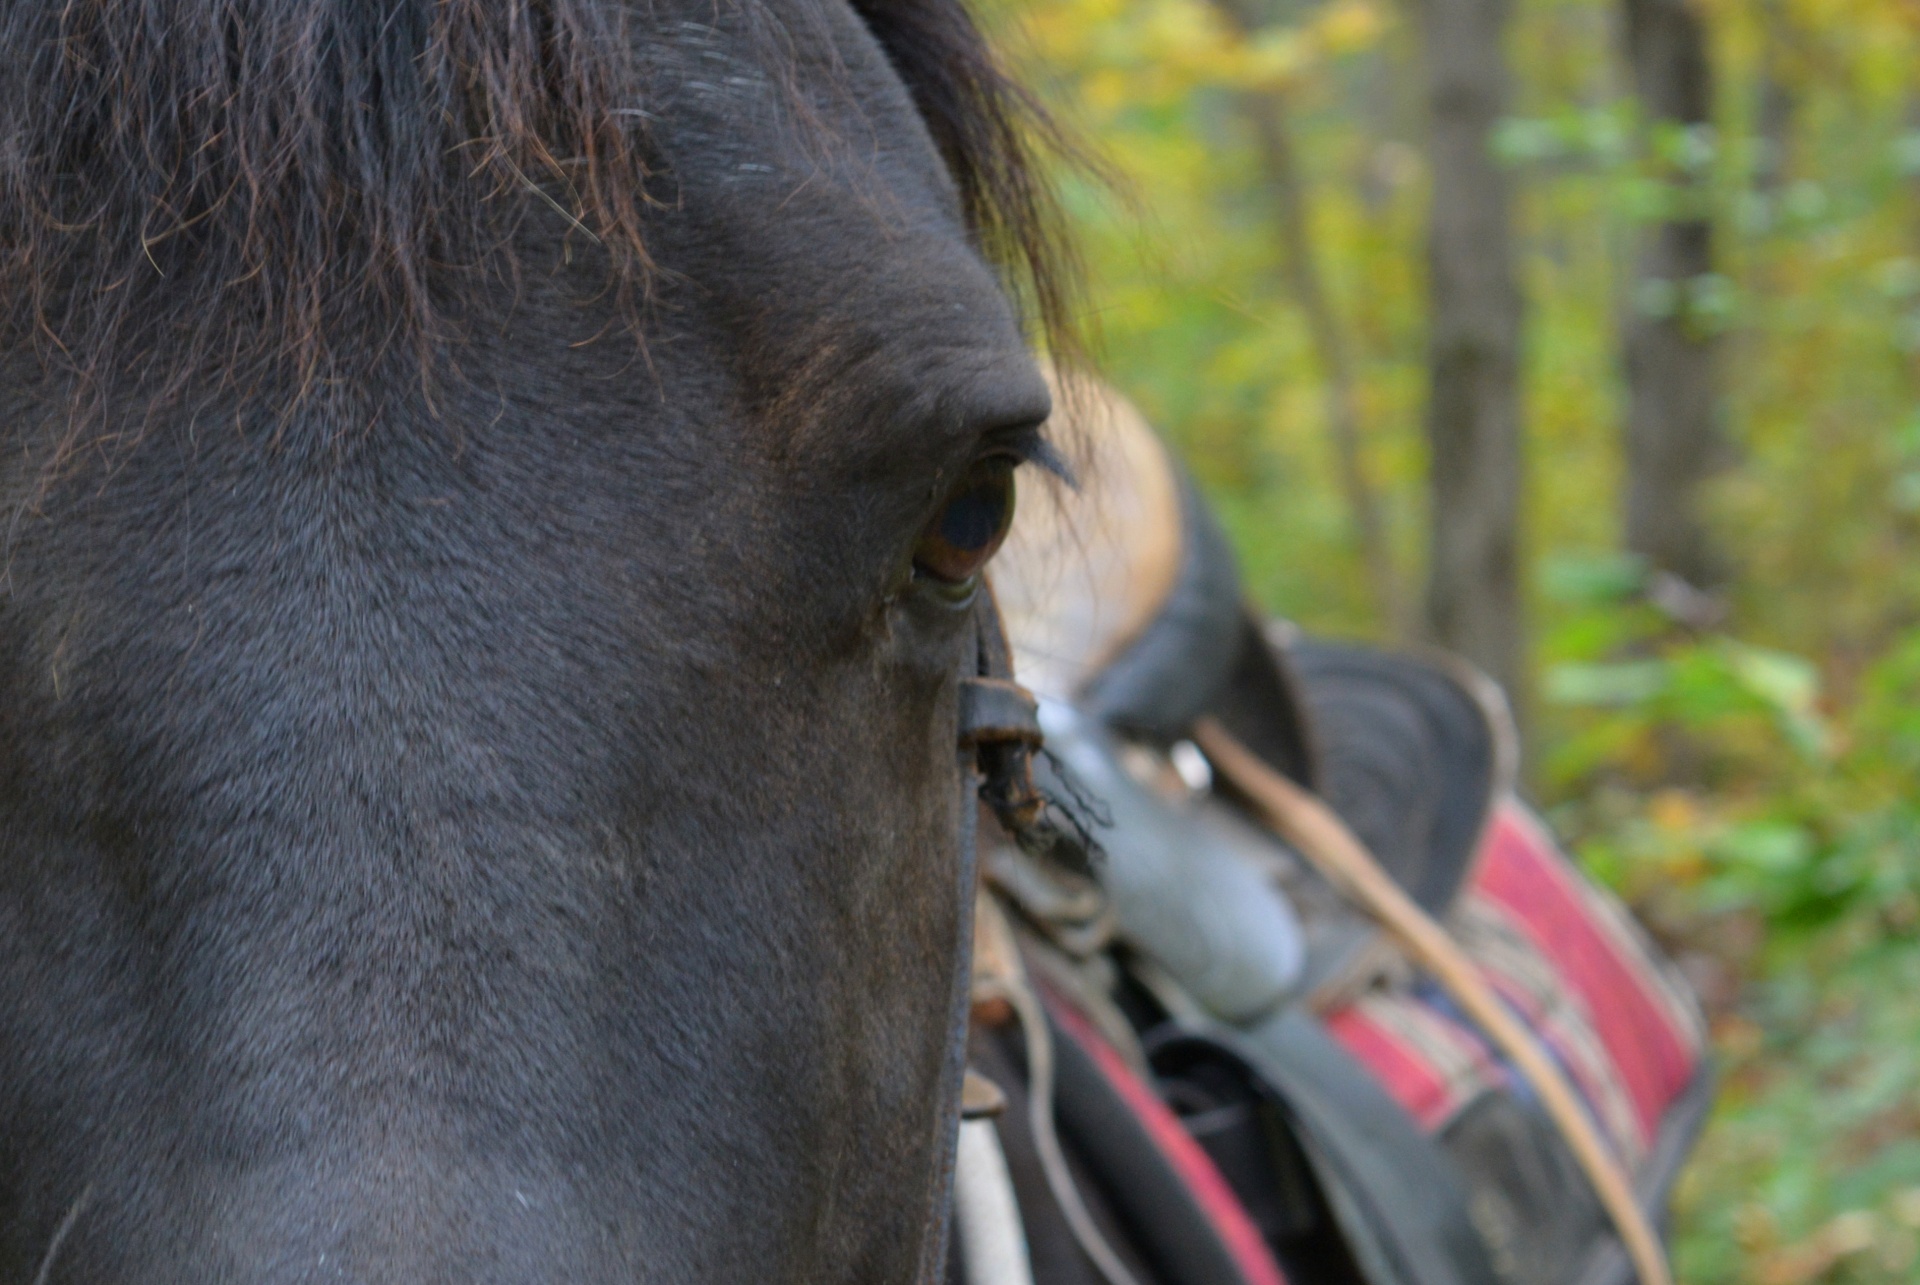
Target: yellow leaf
1673,810
1348,26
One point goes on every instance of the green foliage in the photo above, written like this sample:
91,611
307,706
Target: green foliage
1750,778
1792,858
1772,832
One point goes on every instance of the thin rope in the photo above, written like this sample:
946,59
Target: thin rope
1046,1139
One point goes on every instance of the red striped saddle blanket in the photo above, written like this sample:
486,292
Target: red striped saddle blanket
1161,1150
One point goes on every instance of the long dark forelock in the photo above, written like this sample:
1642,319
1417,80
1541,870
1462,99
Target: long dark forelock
991,132
277,192
190,186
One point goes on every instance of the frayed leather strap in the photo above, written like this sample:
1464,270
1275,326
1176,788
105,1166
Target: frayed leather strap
996,711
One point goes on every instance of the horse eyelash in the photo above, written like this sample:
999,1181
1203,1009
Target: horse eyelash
1045,456
1029,444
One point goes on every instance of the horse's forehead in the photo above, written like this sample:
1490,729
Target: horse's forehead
816,213
793,99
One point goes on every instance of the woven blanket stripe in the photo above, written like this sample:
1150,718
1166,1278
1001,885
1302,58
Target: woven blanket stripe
1652,1033
1665,985
1571,963
1431,1065
1434,1062
1535,988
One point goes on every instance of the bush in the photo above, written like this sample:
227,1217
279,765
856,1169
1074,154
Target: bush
1773,838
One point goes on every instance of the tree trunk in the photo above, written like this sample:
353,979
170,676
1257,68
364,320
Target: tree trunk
1773,120
1473,407
1674,440
1267,113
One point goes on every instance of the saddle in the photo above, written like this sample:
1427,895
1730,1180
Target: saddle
1251,1079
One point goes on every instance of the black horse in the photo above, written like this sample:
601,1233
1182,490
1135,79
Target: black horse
493,489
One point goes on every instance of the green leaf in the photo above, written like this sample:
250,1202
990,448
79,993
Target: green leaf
1768,847
1617,683
1592,577
1788,683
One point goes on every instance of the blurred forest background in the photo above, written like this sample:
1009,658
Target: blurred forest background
1649,273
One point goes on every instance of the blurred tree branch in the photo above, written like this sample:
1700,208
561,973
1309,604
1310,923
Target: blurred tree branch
1474,309
1674,438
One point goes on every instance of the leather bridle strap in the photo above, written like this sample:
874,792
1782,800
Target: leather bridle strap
1000,724
998,730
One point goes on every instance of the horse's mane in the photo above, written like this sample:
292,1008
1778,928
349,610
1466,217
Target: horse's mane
227,187
987,126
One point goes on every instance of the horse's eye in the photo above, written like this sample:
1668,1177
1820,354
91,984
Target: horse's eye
965,533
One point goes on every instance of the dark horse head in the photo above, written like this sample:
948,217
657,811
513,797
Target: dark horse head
491,491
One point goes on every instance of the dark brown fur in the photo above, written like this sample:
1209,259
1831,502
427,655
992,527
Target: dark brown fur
227,187
478,789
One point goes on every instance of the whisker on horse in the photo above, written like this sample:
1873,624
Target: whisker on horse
61,1233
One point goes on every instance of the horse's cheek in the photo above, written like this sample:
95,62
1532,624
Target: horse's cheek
902,903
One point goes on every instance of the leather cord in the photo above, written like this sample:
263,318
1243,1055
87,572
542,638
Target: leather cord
1326,842
1008,982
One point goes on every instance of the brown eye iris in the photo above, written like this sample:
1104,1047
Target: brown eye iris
958,542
